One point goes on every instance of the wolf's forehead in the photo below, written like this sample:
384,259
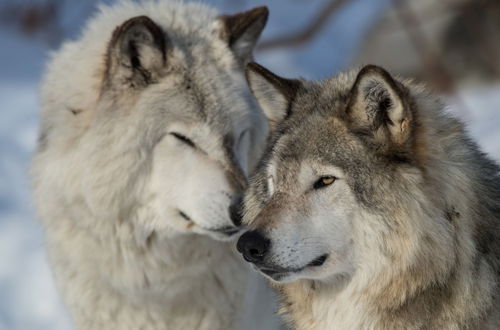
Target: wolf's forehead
224,86
323,139
283,161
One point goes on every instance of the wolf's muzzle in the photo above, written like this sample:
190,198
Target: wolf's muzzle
253,246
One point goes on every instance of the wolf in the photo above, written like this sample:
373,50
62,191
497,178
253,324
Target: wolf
148,132
372,208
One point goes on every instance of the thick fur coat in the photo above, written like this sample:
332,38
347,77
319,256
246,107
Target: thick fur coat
148,131
372,207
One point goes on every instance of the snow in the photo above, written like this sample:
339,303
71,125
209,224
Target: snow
483,117
28,298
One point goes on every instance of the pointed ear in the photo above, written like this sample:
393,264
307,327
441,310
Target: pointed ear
241,31
274,93
136,54
378,105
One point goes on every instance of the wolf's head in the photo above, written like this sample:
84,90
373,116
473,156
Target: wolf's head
342,181
160,115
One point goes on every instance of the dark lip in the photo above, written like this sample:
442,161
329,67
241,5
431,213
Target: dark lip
276,274
271,272
271,269
229,231
274,271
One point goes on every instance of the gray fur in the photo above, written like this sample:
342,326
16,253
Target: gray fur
421,245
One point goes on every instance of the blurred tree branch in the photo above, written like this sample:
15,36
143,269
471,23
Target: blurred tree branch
314,27
428,14
34,18
435,69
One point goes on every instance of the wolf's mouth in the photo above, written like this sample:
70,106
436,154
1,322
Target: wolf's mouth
227,230
224,233
277,273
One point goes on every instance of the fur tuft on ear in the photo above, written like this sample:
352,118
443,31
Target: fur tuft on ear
242,31
136,53
378,106
274,93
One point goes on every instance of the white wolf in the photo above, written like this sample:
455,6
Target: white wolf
372,208
148,131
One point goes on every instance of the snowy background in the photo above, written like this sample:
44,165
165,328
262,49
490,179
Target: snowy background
28,299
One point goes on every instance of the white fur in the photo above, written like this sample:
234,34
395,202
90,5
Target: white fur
109,179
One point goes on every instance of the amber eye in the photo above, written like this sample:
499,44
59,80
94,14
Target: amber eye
324,181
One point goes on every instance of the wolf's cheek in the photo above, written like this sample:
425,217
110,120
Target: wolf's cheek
314,238
190,192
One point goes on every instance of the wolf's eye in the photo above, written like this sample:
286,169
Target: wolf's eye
324,181
183,139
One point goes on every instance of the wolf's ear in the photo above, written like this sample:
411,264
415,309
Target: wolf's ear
274,93
378,106
136,54
242,30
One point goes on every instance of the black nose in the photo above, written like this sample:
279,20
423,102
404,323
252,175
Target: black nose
236,211
253,245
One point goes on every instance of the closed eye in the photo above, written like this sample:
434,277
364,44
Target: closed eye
324,181
183,139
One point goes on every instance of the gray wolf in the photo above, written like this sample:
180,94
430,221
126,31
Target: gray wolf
372,208
148,132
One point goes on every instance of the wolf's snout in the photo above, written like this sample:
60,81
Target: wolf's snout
235,211
253,246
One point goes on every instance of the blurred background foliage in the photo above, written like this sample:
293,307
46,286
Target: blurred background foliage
442,42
